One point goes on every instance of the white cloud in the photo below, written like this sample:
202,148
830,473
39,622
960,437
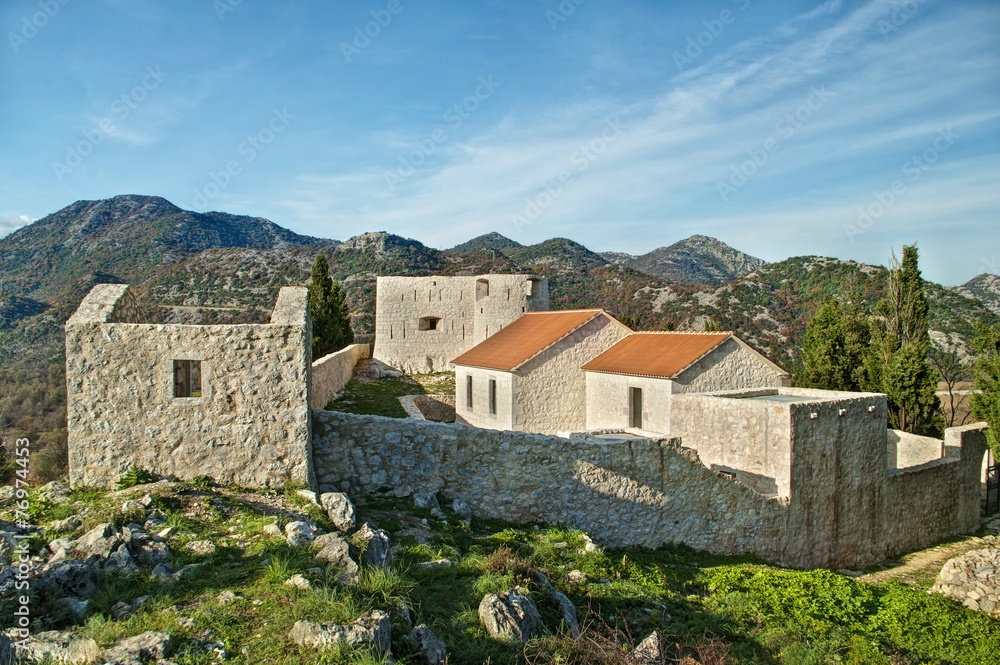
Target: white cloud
12,223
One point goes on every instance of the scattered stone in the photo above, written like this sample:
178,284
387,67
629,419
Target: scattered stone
151,644
161,572
378,551
153,552
464,511
510,616
576,577
333,549
47,646
299,582
68,578
186,571
299,534
431,648
146,500
71,523
379,370
168,532
273,530
588,545
227,597
339,509
437,563
972,579
429,500
131,506
121,560
649,651
372,631
201,547
100,541
75,607
308,495
57,492
565,605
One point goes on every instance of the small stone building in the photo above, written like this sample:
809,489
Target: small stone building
228,401
421,323
630,385
527,377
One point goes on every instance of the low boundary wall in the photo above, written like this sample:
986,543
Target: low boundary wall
332,372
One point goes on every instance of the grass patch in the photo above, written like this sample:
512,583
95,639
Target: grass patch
380,397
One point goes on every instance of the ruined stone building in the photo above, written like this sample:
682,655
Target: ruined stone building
421,323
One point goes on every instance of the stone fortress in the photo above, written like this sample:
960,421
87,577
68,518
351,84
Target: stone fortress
702,442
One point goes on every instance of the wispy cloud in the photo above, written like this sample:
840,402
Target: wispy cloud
12,223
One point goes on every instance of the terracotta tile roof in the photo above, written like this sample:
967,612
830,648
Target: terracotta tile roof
525,338
661,354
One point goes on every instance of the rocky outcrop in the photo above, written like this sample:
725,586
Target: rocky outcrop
131,650
378,552
972,579
47,646
510,616
432,650
334,549
373,631
339,509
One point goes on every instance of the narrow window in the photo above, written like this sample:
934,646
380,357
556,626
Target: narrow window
468,392
635,407
482,288
493,397
187,378
430,323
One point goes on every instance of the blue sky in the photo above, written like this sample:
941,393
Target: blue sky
783,128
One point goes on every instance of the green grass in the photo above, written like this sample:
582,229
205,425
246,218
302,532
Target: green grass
713,608
379,397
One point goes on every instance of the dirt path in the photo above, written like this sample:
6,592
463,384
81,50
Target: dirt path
923,566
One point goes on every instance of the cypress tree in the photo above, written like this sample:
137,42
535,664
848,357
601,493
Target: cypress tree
330,317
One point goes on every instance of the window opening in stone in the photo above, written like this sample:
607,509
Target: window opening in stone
429,323
187,378
482,288
493,397
468,392
635,407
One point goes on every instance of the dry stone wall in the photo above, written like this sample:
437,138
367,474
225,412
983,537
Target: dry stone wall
332,372
250,424
905,449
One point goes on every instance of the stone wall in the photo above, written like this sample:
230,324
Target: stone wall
332,372
250,425
608,401
905,449
640,492
551,389
466,310
730,366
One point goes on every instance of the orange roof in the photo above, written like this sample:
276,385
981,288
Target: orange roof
661,354
525,338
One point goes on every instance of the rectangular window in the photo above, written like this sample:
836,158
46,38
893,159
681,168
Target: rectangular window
468,392
187,378
635,407
493,397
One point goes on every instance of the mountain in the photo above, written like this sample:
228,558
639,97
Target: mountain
559,254
491,241
122,239
695,260
985,288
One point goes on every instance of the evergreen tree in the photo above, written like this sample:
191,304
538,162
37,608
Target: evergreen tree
834,351
330,318
897,363
986,401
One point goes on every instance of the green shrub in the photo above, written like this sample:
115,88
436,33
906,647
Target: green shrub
134,476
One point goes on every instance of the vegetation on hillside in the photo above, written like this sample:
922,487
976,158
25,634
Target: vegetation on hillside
331,321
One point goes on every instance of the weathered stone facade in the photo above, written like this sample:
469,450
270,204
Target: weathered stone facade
332,372
843,507
547,394
249,423
421,323
731,366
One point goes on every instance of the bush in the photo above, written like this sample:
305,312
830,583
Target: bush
134,476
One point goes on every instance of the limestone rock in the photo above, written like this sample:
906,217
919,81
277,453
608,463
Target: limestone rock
510,616
373,631
299,582
121,560
100,541
649,651
463,509
299,534
436,563
74,607
308,495
273,530
378,552
333,549
576,577
185,571
153,552
563,603
379,370
131,506
972,579
201,547
428,500
339,509
227,597
68,578
151,644
52,645
161,571
431,648
71,523
57,492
